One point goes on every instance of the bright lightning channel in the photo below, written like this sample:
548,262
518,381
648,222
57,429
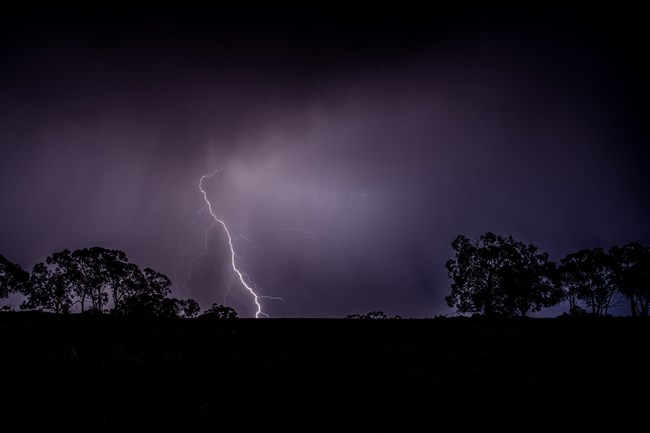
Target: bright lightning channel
233,254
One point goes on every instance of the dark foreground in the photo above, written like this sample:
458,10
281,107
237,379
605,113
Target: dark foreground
325,375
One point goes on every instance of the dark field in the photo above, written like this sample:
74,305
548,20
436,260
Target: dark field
334,375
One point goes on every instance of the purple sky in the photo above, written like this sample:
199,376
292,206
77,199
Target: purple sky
354,147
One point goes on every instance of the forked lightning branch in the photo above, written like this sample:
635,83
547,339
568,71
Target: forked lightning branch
233,255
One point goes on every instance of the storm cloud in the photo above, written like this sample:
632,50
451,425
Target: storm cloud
351,149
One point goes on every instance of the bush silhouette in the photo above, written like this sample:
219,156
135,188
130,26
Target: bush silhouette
219,312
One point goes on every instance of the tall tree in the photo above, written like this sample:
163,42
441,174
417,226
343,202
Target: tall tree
528,279
147,298
632,264
50,289
589,277
122,278
91,278
497,275
178,308
12,277
52,283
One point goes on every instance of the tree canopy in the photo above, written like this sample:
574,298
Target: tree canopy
12,277
493,275
96,280
632,266
499,276
217,311
589,276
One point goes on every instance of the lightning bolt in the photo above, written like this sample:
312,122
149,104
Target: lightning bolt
233,254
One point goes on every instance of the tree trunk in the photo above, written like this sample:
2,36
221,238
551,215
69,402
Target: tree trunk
593,306
635,313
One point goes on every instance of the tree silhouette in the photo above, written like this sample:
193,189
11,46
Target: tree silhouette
12,277
370,315
189,308
178,308
168,307
98,275
91,278
147,297
219,312
123,278
588,276
498,276
632,262
67,278
51,284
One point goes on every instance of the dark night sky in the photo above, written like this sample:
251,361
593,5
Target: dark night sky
354,145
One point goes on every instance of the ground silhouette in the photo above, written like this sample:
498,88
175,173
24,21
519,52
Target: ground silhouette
104,371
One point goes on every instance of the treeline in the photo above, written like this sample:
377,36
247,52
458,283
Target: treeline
492,276
98,280
499,276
